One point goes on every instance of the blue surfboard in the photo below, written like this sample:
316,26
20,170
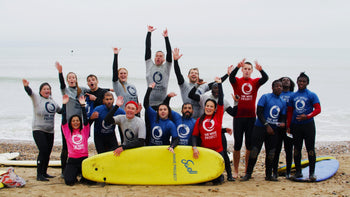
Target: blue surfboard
324,170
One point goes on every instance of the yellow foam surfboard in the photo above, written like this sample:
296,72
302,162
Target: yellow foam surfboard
304,163
154,165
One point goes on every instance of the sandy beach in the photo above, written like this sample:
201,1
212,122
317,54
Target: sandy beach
338,185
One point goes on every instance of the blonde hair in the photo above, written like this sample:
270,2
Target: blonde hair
119,79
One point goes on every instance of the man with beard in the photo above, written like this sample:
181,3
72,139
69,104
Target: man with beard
104,134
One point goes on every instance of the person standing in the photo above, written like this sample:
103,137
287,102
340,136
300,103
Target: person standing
208,128
246,88
159,70
121,86
44,110
288,88
104,133
271,114
303,106
72,107
94,96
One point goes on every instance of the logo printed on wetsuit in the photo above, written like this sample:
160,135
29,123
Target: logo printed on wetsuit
247,88
106,128
77,139
208,125
157,77
50,107
131,90
274,111
129,134
157,133
300,105
183,130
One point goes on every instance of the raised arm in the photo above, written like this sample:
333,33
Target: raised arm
82,102
26,87
115,64
264,77
146,99
148,42
221,93
65,100
109,117
179,76
223,78
167,45
60,75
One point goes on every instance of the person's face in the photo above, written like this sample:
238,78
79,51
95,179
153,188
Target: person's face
215,91
108,101
130,111
285,82
92,82
193,76
187,110
302,83
277,88
159,59
123,75
75,123
209,108
247,70
72,80
45,91
163,112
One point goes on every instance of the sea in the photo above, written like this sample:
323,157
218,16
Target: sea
328,69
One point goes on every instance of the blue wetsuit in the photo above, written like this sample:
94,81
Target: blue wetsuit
184,128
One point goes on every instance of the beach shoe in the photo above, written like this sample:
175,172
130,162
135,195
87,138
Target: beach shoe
219,180
48,176
287,176
298,175
41,178
312,178
246,177
230,178
271,178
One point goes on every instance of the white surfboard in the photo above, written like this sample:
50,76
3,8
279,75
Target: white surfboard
6,159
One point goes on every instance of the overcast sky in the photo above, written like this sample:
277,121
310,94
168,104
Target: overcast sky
253,23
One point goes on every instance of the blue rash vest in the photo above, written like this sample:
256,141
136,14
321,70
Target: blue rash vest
274,107
184,128
100,127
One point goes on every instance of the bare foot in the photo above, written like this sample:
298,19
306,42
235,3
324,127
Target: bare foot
235,175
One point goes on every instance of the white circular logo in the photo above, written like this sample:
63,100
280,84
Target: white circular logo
300,104
77,139
247,88
183,130
157,132
274,111
208,125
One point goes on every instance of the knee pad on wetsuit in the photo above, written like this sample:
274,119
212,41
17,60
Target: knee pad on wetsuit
271,154
254,153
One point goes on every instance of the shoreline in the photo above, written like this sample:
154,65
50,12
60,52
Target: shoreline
338,185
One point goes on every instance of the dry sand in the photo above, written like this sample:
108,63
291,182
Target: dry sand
339,185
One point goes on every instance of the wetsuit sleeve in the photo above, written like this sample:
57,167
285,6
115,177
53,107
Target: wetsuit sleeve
85,119
115,68
192,94
317,110
148,46
109,117
28,90
195,140
137,143
64,114
61,78
167,100
179,76
221,95
264,77
146,99
260,114
289,116
282,118
168,50
223,78
174,142
232,111
233,75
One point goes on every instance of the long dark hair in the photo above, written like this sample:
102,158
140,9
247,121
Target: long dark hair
70,123
203,115
292,84
169,114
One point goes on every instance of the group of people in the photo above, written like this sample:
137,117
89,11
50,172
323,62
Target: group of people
278,115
